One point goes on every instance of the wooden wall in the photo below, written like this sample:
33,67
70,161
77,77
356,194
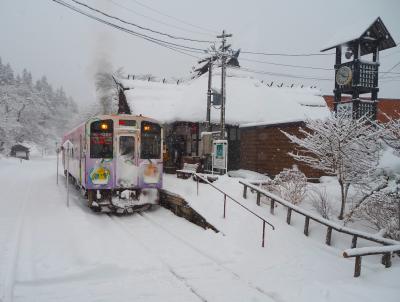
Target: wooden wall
265,149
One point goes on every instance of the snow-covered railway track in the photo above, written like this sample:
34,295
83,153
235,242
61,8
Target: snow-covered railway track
10,253
147,248
189,263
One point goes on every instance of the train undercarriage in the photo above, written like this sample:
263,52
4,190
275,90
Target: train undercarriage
122,201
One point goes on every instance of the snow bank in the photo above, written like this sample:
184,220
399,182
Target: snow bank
248,175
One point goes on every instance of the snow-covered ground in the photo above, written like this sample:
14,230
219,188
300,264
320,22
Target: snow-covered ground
49,252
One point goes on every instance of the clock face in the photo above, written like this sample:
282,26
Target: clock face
344,75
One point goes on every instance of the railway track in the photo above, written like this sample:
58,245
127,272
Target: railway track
168,247
11,253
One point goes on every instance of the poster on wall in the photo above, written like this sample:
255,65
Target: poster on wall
220,154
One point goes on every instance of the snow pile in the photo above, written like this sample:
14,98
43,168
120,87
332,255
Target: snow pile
247,100
248,175
390,162
51,252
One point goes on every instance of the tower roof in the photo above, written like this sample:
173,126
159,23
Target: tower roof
368,37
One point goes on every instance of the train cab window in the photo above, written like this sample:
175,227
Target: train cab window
127,146
150,140
101,139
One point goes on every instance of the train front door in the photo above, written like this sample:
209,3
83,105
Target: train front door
127,161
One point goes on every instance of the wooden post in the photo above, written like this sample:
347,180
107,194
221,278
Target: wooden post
58,155
357,267
224,204
289,215
272,209
387,260
197,178
68,177
244,191
258,198
306,225
354,242
328,236
263,234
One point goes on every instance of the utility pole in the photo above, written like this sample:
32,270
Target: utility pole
223,76
209,94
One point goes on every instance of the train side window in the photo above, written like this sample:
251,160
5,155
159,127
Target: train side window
150,140
101,139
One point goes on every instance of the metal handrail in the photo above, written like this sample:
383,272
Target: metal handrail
198,176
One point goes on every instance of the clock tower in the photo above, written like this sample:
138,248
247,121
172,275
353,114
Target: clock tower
359,75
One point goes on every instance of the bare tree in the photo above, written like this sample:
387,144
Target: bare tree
107,89
320,202
340,146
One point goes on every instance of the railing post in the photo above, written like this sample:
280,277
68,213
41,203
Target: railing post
244,191
328,235
263,234
289,215
258,198
306,225
386,260
354,242
357,267
224,204
197,185
272,208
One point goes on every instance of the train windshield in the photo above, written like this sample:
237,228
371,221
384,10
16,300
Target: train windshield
101,139
150,140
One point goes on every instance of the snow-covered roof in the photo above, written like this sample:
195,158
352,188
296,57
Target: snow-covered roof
358,29
248,100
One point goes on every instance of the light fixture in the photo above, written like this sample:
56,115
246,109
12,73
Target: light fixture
349,53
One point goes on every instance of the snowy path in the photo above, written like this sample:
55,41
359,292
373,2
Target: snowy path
53,253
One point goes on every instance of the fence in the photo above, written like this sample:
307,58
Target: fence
330,227
264,221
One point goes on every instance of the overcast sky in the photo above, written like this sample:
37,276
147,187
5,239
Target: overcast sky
49,39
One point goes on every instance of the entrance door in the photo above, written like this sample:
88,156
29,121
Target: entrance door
127,162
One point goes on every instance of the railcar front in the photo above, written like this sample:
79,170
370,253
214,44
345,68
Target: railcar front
124,164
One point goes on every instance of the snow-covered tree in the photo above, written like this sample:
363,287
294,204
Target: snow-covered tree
340,146
29,112
391,133
382,210
291,185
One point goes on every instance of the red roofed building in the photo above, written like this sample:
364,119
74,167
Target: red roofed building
389,107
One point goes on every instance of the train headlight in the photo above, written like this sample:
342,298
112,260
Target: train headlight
104,126
146,128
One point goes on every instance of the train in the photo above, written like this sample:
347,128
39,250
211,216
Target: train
116,160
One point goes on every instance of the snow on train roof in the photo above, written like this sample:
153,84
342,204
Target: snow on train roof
248,100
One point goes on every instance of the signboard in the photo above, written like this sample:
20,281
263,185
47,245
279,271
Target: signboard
220,154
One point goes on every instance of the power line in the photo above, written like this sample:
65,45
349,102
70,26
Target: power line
390,69
174,18
172,46
393,67
288,54
306,67
286,65
279,74
158,21
391,54
139,26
